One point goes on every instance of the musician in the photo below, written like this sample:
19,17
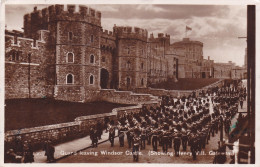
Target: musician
193,142
136,143
155,134
177,142
111,130
184,136
165,140
143,136
121,135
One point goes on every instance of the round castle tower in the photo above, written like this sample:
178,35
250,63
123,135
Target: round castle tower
75,32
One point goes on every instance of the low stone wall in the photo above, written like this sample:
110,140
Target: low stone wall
124,97
60,133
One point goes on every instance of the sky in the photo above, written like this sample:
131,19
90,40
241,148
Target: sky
217,26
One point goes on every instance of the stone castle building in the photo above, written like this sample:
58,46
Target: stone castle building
191,55
64,53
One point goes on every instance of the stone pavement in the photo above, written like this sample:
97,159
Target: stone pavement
68,148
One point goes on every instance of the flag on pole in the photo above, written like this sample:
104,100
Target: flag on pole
188,28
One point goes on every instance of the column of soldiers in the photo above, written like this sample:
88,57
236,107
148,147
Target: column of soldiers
182,121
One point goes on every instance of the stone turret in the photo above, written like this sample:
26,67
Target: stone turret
130,32
41,19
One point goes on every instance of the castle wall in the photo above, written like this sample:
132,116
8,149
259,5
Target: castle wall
28,68
159,64
131,57
108,53
60,133
124,59
83,41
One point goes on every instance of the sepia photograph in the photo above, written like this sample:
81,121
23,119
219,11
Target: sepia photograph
129,83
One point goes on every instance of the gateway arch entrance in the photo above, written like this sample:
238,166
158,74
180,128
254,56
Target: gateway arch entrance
104,78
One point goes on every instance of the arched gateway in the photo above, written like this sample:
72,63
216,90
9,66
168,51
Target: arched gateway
104,78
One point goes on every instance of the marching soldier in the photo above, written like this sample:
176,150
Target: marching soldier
148,135
143,137
129,135
121,135
136,143
165,141
177,143
111,133
184,137
155,134
193,143
95,138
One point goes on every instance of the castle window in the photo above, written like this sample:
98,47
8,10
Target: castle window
70,57
91,80
18,56
92,59
13,56
70,36
142,82
69,79
92,38
128,64
128,50
103,59
142,66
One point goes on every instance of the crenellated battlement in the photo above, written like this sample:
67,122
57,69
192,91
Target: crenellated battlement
108,40
17,39
162,39
159,36
130,32
40,19
67,10
108,35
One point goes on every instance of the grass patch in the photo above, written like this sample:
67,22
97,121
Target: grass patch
26,113
185,83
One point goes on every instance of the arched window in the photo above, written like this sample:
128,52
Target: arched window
69,79
91,80
92,59
70,36
142,66
92,38
128,50
13,55
128,64
70,57
128,82
18,56
142,82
